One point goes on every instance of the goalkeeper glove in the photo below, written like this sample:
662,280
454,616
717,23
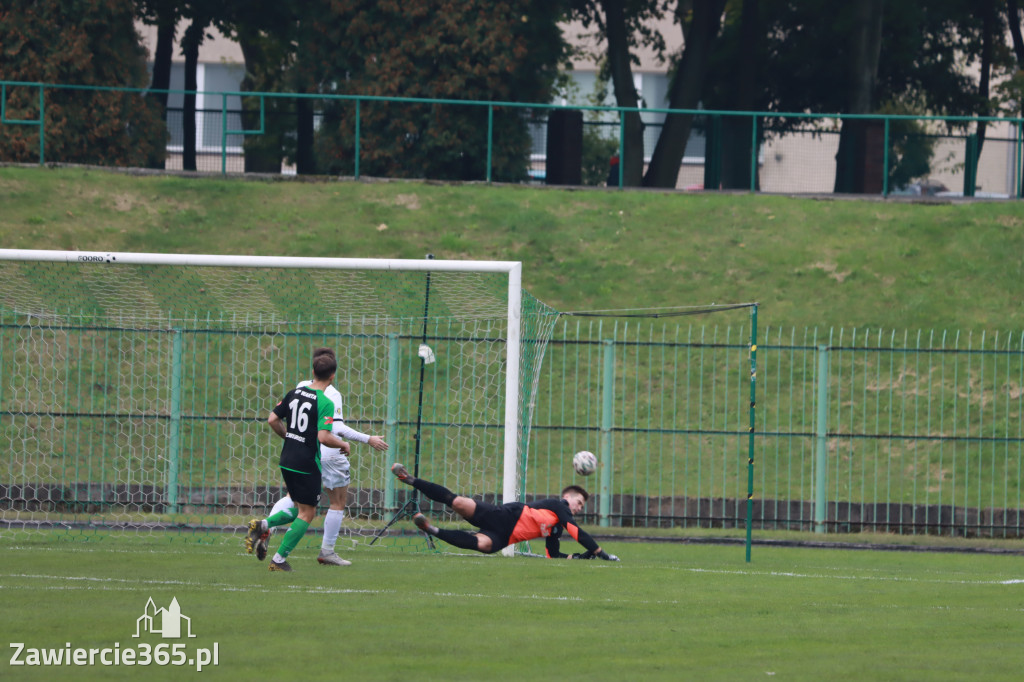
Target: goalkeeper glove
606,556
582,555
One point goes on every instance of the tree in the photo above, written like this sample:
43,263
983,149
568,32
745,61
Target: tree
816,56
736,66
860,138
268,52
265,30
81,42
201,14
701,25
625,26
1013,16
163,14
507,50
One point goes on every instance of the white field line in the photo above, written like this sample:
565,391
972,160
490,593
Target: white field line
134,585
121,585
392,558
839,576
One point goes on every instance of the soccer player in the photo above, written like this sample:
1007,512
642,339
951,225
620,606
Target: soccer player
335,468
501,526
303,419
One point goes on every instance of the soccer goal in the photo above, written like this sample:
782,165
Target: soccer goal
134,388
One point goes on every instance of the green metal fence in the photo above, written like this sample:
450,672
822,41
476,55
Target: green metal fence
857,430
779,152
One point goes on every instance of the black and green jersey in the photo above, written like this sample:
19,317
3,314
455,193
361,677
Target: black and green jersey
304,411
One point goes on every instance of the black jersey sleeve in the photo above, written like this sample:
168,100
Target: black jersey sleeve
281,409
552,544
567,522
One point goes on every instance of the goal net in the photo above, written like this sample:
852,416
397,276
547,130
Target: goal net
134,388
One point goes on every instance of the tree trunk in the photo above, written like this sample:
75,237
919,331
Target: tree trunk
855,167
263,153
989,24
165,33
685,92
305,160
1013,21
736,130
190,43
625,91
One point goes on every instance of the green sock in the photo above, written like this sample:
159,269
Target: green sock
292,537
283,517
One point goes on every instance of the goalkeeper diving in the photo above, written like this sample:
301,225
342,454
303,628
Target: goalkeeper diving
507,524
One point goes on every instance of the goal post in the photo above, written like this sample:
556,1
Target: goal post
163,366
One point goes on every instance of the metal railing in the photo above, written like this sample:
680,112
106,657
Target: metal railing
785,152
857,430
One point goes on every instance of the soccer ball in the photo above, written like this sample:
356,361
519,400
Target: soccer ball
585,463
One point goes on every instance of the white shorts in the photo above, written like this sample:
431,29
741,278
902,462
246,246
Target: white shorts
335,470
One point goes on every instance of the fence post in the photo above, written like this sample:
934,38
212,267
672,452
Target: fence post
753,153
355,169
607,421
752,424
174,439
224,135
391,417
713,154
490,140
971,165
885,159
821,446
622,147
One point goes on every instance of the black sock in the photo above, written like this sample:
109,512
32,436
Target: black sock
459,538
437,493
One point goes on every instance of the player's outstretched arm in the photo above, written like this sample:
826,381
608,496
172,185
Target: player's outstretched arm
600,554
593,549
552,548
345,431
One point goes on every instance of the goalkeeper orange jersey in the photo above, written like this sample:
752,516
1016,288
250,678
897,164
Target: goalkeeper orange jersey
547,519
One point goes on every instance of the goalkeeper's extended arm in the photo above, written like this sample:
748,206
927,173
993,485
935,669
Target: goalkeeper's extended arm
593,550
552,547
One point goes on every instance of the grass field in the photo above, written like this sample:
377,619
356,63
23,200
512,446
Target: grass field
665,612
668,611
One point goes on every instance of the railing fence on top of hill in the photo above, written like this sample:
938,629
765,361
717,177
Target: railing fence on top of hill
790,153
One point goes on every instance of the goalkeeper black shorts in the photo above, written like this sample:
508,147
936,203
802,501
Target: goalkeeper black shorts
497,522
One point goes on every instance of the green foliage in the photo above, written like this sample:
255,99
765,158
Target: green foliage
1010,94
598,149
807,47
442,49
90,42
911,149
